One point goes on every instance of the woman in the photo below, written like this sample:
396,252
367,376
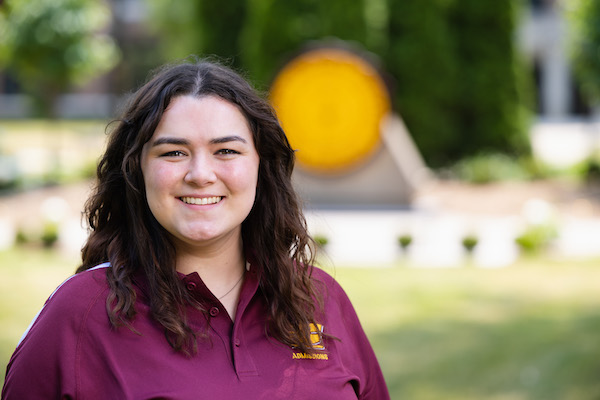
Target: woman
196,281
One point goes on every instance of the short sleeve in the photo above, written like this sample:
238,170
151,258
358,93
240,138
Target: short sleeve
44,363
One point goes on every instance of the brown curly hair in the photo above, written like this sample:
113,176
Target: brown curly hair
124,231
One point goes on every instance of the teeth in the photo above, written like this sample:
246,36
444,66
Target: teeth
201,201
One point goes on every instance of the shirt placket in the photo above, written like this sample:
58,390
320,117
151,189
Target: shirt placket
230,333
243,362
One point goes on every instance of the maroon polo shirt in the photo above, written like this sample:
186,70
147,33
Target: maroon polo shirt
72,352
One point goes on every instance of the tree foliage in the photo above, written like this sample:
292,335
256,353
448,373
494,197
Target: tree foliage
458,82
422,57
276,30
492,97
584,16
48,45
199,27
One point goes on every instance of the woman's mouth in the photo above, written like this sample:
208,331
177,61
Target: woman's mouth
203,201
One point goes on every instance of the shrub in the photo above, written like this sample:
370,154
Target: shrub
320,240
404,241
536,238
485,168
469,242
591,171
21,237
49,234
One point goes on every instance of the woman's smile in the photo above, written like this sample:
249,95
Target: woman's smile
201,200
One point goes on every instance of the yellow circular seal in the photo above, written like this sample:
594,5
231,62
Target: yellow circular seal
330,102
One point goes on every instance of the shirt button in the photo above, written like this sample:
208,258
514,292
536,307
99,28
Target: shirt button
214,311
191,286
237,342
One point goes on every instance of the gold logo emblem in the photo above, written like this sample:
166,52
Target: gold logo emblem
316,336
316,342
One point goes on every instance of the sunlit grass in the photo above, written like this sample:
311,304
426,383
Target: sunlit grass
528,331
524,332
27,277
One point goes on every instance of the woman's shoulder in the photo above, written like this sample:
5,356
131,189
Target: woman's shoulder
328,286
73,298
50,345
83,285
324,277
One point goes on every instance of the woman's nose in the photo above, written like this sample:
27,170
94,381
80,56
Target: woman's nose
200,171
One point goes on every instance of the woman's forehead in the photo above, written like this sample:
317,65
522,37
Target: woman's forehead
208,116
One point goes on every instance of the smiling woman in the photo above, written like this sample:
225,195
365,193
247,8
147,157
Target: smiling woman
197,277
200,172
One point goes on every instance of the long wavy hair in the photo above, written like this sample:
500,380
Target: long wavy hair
124,232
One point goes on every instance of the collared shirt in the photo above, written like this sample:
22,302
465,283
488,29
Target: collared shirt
71,351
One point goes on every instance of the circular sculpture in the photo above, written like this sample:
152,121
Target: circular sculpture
330,103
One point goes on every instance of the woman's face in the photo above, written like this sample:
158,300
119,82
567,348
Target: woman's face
200,171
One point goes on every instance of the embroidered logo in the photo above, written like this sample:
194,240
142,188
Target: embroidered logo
317,344
310,356
315,336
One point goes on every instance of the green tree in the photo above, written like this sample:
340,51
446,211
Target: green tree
49,45
277,30
422,58
493,98
457,79
460,84
195,27
256,36
584,18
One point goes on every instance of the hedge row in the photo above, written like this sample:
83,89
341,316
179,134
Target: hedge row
455,74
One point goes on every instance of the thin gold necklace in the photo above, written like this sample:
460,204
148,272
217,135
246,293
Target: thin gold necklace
234,286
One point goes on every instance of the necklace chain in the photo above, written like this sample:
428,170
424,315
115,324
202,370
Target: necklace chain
234,286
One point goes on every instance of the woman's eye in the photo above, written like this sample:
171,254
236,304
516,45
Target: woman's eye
227,151
174,153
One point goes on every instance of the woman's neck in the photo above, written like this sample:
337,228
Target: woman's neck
219,266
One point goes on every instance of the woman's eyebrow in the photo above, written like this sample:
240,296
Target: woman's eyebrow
225,139
184,142
170,140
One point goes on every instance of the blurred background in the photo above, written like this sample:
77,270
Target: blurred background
467,233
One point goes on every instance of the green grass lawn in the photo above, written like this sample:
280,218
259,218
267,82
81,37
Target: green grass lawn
27,277
529,331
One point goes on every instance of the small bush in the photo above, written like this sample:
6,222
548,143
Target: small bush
49,234
321,240
404,241
485,168
536,238
469,242
591,171
21,237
